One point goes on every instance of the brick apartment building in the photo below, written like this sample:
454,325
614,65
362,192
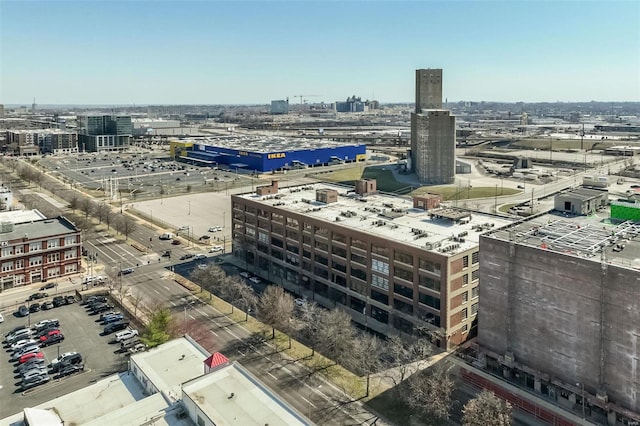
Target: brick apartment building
395,264
38,250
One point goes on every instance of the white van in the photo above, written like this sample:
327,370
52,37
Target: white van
166,236
93,279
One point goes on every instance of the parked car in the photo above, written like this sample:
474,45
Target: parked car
32,348
95,299
66,358
32,372
41,325
35,381
48,286
18,335
130,342
30,356
115,326
58,301
200,256
34,307
44,332
215,229
112,318
46,306
33,363
23,311
36,296
138,347
126,334
255,280
204,237
70,299
215,249
106,314
69,369
186,256
101,308
22,343
51,339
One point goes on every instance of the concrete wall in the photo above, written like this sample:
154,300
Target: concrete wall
428,89
550,302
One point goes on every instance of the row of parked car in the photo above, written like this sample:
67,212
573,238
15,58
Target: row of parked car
25,345
57,301
114,322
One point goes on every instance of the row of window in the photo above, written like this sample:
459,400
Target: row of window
37,260
36,246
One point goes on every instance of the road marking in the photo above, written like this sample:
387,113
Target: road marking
231,332
167,288
192,317
213,332
204,314
155,290
272,376
172,303
310,403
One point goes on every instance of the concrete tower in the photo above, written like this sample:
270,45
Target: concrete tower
433,131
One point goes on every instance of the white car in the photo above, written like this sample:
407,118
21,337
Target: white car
22,343
62,357
200,256
255,280
215,229
215,249
300,302
126,334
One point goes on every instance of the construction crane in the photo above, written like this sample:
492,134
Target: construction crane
304,96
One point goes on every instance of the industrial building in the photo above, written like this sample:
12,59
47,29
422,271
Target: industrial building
258,154
104,132
560,306
280,106
41,141
398,266
433,132
34,248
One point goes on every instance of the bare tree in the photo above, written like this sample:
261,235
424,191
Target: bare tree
364,357
487,409
74,201
86,206
211,278
101,210
403,359
125,225
336,335
275,308
239,292
430,394
308,324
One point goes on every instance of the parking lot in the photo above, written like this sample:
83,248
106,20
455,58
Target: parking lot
82,334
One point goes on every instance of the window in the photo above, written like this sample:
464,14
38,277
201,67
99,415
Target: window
465,314
465,279
52,243
379,297
475,275
20,264
465,262
251,232
35,246
19,249
35,261
200,421
322,259
430,266
465,297
475,292
292,259
339,267
380,266
277,242
339,238
263,237
277,229
403,290
474,308
321,246
292,222
357,258
358,244
339,251
306,227
277,217
293,234
402,306
53,272
359,273
319,231
69,240
306,239
403,257
68,269
7,251
263,213
430,283
404,274
428,300
464,328
382,251
7,266
380,282
475,257
53,257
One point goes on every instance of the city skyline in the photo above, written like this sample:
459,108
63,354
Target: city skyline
211,52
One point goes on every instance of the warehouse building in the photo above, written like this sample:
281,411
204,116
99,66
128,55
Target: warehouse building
560,309
258,154
395,266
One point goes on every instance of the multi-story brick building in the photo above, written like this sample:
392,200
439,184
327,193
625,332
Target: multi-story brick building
391,264
37,250
41,141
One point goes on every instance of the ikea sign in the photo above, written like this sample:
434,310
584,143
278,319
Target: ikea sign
276,155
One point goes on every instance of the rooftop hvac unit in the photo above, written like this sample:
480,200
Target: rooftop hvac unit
7,227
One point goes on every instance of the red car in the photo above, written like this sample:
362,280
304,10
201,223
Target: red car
49,334
27,357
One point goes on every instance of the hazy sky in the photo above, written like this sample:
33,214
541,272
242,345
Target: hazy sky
240,52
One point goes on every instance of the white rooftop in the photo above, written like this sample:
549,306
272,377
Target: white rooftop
263,144
387,216
251,404
21,216
171,364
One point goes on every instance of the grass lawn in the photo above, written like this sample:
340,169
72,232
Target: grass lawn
506,208
452,192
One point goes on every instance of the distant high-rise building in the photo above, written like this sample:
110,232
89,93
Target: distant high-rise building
280,106
433,131
1,111
105,132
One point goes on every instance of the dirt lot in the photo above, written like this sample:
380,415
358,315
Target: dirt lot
82,334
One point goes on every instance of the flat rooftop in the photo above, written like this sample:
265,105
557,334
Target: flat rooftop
388,216
171,364
39,229
588,237
264,145
20,216
252,403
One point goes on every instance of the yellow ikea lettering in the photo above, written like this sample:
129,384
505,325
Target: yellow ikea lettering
276,155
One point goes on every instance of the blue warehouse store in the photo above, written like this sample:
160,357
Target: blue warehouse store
264,155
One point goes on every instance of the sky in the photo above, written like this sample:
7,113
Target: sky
243,52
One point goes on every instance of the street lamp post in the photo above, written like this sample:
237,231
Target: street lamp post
583,401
